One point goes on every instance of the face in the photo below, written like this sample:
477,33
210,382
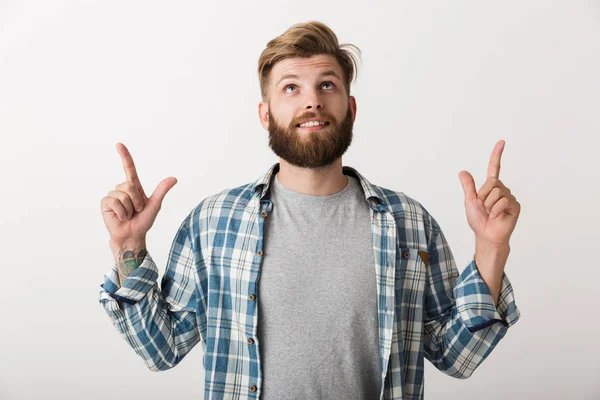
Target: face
308,89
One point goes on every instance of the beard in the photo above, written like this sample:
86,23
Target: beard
311,149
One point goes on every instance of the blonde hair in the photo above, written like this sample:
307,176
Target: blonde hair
306,40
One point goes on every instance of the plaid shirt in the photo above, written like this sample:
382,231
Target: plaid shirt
208,294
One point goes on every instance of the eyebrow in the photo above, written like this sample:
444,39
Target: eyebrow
324,73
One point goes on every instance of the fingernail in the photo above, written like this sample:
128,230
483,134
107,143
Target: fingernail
492,215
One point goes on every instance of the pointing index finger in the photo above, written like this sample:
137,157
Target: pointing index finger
128,165
494,165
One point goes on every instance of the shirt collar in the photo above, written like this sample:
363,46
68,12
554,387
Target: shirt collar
373,194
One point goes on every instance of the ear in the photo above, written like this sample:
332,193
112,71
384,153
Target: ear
263,114
352,103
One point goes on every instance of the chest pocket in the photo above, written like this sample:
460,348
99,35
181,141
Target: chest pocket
411,274
411,277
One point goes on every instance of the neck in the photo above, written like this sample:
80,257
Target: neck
321,181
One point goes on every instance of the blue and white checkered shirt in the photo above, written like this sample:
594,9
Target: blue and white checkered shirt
208,294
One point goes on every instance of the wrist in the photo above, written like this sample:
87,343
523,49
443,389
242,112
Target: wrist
493,257
493,249
132,243
490,261
128,255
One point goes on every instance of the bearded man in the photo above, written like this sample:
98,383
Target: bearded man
311,282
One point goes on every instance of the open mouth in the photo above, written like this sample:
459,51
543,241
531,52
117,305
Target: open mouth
313,125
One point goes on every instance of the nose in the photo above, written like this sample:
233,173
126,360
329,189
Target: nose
313,101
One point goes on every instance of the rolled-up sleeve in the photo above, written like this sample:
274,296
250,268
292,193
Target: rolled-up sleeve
135,287
475,304
462,323
162,324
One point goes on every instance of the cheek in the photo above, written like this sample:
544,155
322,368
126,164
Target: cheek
338,106
283,114
340,114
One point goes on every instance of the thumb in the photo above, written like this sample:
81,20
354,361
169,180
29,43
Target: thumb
468,185
161,190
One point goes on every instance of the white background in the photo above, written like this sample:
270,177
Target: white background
176,82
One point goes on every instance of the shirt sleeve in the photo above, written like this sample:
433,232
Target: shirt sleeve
462,323
162,324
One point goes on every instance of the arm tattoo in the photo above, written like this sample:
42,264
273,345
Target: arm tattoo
129,261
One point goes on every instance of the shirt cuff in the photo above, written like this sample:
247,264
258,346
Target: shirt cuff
475,305
135,287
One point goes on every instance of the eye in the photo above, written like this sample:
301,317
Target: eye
328,83
285,89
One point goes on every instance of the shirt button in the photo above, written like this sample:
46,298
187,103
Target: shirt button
260,253
252,297
250,340
405,255
253,388
263,214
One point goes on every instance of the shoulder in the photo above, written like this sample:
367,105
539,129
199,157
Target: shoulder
225,202
219,212
402,205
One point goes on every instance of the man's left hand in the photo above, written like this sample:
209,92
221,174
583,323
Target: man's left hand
492,212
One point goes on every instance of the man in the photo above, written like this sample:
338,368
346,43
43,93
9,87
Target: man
311,282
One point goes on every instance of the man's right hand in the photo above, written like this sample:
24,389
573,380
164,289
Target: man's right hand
128,213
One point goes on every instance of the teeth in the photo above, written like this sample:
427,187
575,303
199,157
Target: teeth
312,123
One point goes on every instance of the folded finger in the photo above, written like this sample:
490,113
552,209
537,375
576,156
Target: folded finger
134,194
496,194
502,205
111,204
124,199
487,187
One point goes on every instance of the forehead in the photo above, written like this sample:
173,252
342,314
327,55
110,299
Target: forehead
305,66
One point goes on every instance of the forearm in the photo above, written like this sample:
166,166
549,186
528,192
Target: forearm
159,325
490,261
128,255
462,325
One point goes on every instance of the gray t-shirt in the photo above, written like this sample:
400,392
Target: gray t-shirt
317,297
